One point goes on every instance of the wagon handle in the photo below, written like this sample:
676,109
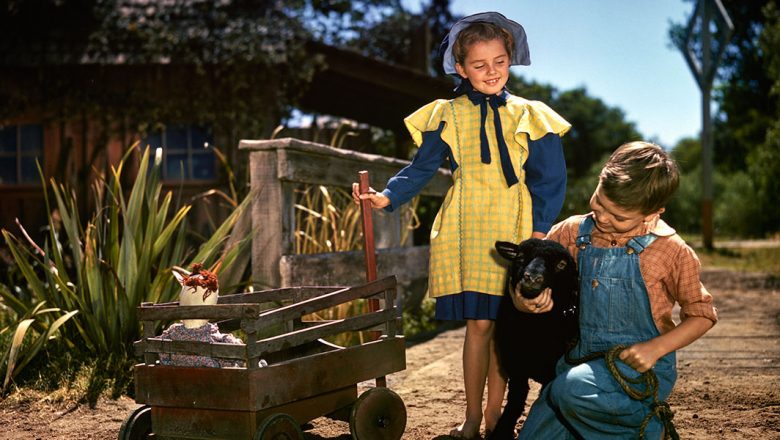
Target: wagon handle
369,250
368,233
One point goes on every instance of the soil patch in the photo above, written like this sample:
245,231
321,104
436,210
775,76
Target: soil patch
728,387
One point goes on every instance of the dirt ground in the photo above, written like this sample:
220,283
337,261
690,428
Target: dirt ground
728,387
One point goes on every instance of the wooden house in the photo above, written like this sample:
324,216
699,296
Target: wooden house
75,147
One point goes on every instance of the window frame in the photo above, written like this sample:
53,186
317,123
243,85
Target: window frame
20,153
190,151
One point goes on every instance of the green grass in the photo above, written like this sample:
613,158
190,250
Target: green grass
759,259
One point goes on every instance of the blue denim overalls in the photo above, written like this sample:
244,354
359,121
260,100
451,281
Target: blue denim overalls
584,401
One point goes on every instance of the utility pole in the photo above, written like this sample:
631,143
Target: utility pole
708,16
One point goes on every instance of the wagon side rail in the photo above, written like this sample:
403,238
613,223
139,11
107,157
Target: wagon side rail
267,299
283,294
384,319
150,346
255,321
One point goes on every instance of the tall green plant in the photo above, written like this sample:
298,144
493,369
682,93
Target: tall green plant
119,258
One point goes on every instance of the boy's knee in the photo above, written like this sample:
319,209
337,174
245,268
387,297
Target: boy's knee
582,394
575,392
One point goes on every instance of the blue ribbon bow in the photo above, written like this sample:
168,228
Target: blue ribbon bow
495,101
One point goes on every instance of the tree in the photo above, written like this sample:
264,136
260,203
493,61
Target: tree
764,162
597,128
246,58
747,110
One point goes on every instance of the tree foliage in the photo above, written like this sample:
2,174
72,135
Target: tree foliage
237,66
597,128
392,38
746,150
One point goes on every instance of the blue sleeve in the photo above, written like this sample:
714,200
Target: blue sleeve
411,179
545,176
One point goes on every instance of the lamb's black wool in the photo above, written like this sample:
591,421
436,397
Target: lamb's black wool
529,344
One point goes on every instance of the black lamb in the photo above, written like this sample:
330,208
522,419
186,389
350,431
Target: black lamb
529,344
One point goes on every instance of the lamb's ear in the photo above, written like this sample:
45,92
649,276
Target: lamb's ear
508,250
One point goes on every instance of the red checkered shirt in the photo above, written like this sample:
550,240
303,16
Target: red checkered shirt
670,268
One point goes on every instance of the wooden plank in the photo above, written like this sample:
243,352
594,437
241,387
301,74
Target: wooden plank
323,168
287,313
294,339
305,410
210,349
407,264
335,166
328,371
202,424
212,312
241,389
179,423
191,387
277,295
148,329
271,218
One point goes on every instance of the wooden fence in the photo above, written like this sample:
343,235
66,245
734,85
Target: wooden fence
277,167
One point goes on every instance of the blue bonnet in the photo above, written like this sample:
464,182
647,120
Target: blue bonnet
520,57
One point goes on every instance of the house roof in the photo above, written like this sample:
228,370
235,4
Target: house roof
350,85
369,90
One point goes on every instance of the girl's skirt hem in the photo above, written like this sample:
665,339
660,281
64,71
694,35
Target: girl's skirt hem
467,305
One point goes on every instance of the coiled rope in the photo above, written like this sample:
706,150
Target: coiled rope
633,387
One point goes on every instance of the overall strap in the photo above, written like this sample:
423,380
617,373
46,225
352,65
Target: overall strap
638,244
583,233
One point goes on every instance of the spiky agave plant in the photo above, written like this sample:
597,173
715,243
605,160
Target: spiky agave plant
104,268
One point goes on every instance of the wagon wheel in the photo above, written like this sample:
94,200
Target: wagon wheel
279,427
378,414
138,425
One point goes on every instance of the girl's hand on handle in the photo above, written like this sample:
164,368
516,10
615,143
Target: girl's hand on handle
378,200
541,304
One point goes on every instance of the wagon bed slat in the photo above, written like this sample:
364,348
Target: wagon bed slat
293,339
211,312
305,307
241,389
210,349
283,294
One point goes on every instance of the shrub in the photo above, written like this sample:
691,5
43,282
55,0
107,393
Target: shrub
92,276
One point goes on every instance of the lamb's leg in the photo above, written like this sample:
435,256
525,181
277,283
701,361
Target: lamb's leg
515,403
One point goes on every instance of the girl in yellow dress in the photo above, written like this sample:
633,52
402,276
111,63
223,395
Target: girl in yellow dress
509,181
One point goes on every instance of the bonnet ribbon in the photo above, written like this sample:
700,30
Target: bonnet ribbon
495,101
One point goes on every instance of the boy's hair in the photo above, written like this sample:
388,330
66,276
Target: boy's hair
480,31
640,176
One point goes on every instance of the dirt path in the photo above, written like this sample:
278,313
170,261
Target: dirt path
728,387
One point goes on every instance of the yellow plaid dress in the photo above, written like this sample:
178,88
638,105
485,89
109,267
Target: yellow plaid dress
480,208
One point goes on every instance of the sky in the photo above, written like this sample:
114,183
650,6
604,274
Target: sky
619,50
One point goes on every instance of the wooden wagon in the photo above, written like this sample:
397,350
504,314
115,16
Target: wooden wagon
306,377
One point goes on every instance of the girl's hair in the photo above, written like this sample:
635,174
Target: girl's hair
640,176
480,31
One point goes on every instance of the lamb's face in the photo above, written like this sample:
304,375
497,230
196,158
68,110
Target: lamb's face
535,264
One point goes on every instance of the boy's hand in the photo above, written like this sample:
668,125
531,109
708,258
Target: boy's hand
378,200
541,304
641,357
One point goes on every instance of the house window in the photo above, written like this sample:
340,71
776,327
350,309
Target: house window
20,147
187,153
